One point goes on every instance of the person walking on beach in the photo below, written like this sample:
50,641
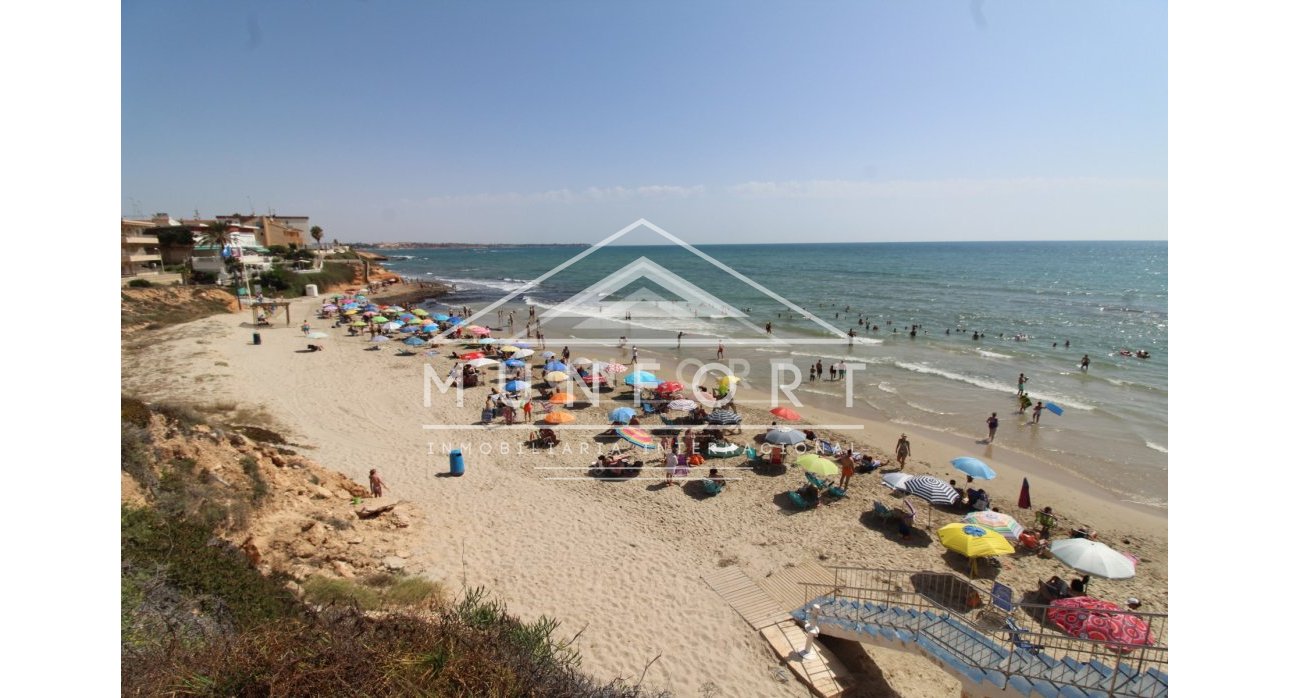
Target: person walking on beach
848,469
1021,384
376,483
304,329
902,450
812,373
528,410
721,350
993,424
1034,416
768,328
1083,364
670,465
634,354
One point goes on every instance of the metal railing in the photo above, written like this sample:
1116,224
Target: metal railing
969,602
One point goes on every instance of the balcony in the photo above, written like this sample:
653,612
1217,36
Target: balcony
140,257
140,240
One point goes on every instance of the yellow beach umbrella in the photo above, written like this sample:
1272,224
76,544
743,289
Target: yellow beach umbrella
727,381
815,463
973,541
557,377
510,348
420,312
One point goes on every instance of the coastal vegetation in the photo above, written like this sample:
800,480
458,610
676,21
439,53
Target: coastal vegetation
198,617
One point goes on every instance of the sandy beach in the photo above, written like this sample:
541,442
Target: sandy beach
620,564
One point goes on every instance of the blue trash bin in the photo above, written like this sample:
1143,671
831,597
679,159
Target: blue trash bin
456,463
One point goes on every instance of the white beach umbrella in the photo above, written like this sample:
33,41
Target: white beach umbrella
1093,557
481,362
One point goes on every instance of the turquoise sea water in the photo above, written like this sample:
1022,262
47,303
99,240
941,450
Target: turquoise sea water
1100,296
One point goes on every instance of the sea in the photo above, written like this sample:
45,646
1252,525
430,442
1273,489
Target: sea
1037,309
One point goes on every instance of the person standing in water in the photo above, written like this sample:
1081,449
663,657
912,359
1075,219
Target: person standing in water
902,450
1021,384
1083,364
993,424
1039,407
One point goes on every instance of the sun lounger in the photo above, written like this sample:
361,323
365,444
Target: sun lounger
712,487
801,502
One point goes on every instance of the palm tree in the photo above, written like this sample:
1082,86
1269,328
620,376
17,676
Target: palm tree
216,234
316,232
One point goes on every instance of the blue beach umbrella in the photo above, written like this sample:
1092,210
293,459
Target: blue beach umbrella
409,328
439,317
546,354
640,377
379,339
524,345
516,386
975,468
622,414
514,363
556,366
414,341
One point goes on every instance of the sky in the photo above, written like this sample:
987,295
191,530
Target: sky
720,121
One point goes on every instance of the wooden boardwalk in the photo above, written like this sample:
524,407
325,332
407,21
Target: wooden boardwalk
767,613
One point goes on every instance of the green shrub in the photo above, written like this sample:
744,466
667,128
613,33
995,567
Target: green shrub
135,411
415,591
259,488
326,591
139,283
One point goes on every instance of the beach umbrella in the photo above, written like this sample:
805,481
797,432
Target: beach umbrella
592,379
488,340
380,338
371,307
330,306
394,308
523,345
408,328
896,481
481,362
548,354
786,413
669,387
622,414
636,436
523,353
640,378
725,416
973,541
380,319
562,399
682,405
428,327
1089,618
358,323
414,341
508,348
780,435
582,361
612,368
420,312
1023,501
556,366
559,418
352,311
471,355
479,331
514,363
317,335
726,381
1092,557
556,377
817,464
439,317
408,317
998,522
935,491
974,467
516,386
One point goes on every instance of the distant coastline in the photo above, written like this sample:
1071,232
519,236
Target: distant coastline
439,245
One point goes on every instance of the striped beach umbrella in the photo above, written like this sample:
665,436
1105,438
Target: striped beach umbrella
636,436
935,491
728,417
613,368
998,522
682,405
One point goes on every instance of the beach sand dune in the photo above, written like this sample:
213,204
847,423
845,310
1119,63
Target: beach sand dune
620,564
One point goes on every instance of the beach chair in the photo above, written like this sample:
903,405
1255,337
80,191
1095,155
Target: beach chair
751,454
712,487
885,514
1000,602
828,449
648,407
1015,633
799,501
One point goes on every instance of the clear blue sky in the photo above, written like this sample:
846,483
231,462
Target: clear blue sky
720,121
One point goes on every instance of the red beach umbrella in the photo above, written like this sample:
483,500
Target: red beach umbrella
668,387
1024,500
468,356
786,413
1094,619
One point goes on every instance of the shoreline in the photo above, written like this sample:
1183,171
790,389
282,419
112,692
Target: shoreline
603,557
